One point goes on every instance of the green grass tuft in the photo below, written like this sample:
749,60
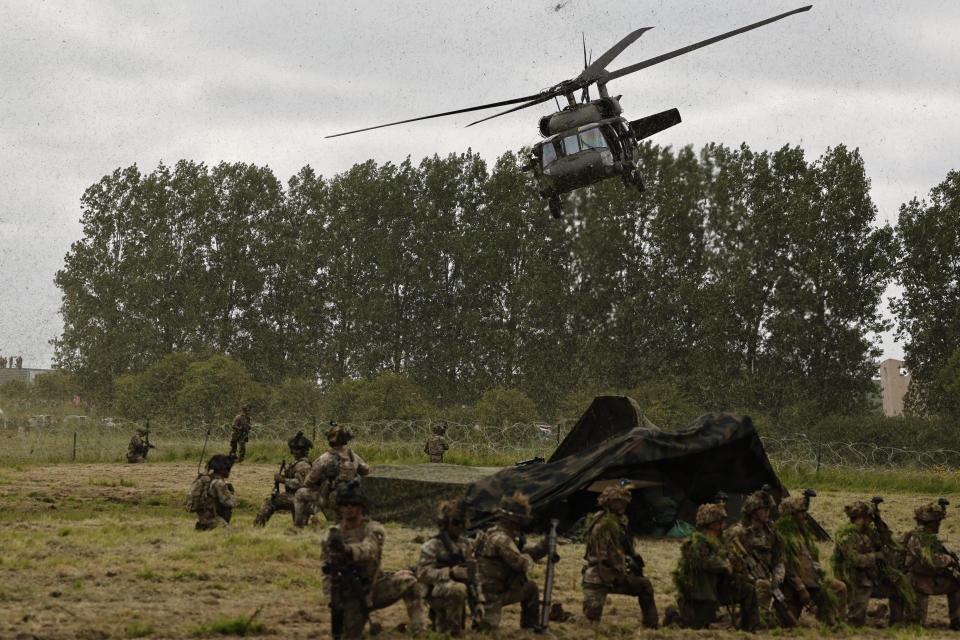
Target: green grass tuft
239,626
137,629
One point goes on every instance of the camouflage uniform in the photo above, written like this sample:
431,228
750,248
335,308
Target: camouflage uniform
218,501
292,479
240,434
758,545
503,564
805,581
334,468
931,568
448,570
437,444
137,449
612,566
363,546
705,578
863,568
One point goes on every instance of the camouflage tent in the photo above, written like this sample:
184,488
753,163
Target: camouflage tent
671,472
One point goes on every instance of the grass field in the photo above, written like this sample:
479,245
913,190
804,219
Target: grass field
105,550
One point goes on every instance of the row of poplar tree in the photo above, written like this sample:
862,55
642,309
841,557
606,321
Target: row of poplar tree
749,279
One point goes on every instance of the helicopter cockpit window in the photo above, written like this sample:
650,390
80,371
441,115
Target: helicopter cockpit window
549,153
570,145
592,139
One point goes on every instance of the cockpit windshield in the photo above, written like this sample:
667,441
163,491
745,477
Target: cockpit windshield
592,139
549,153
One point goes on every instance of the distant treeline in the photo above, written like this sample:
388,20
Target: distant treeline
747,280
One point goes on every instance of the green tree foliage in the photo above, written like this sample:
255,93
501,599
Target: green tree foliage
948,387
55,386
739,279
928,310
503,407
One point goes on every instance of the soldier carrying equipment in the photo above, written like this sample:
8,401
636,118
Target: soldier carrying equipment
349,582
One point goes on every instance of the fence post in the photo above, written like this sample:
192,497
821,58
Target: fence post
74,446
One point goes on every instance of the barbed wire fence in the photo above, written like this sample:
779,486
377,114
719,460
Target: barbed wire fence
75,438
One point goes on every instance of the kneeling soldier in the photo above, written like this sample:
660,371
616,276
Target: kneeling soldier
139,446
212,496
705,579
931,568
291,477
449,571
353,584
612,565
503,564
806,582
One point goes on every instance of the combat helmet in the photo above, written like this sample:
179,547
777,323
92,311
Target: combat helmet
351,493
615,493
439,429
142,431
709,513
300,442
219,462
755,501
858,509
516,508
337,436
449,511
793,504
930,512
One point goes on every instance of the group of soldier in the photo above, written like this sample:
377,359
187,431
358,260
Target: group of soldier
762,572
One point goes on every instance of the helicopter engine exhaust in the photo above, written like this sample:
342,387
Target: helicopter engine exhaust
646,127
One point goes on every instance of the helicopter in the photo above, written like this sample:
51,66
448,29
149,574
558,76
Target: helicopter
589,140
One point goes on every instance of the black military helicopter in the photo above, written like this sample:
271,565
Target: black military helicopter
589,141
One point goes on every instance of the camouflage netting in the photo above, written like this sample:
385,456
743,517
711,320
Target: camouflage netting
671,472
410,493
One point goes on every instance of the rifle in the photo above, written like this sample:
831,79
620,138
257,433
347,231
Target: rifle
527,463
883,531
453,558
552,558
204,449
146,438
276,483
348,582
758,573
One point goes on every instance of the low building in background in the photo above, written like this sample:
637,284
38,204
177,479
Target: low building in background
894,380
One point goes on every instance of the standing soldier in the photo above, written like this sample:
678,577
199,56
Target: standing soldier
353,584
291,477
757,547
139,446
864,569
437,444
806,582
240,434
705,578
337,466
612,565
448,570
932,569
211,496
503,563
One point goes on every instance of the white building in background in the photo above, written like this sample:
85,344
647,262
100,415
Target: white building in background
894,380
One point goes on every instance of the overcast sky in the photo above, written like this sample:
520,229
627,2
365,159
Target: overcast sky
86,88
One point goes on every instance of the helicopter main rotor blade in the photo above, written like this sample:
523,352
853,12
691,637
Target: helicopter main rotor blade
539,100
596,68
446,113
679,52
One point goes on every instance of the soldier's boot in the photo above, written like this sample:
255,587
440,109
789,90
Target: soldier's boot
953,607
671,617
528,616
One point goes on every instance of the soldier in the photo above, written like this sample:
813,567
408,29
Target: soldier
19,362
139,446
931,568
339,465
448,570
757,547
353,584
210,496
805,581
291,477
503,563
3,362
612,565
437,444
863,567
705,579
240,434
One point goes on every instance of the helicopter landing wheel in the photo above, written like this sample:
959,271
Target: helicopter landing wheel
555,209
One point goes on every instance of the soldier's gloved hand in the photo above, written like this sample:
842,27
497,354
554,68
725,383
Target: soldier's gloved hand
337,545
460,573
230,488
277,477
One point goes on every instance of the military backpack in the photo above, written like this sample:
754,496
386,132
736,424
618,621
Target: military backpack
197,494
